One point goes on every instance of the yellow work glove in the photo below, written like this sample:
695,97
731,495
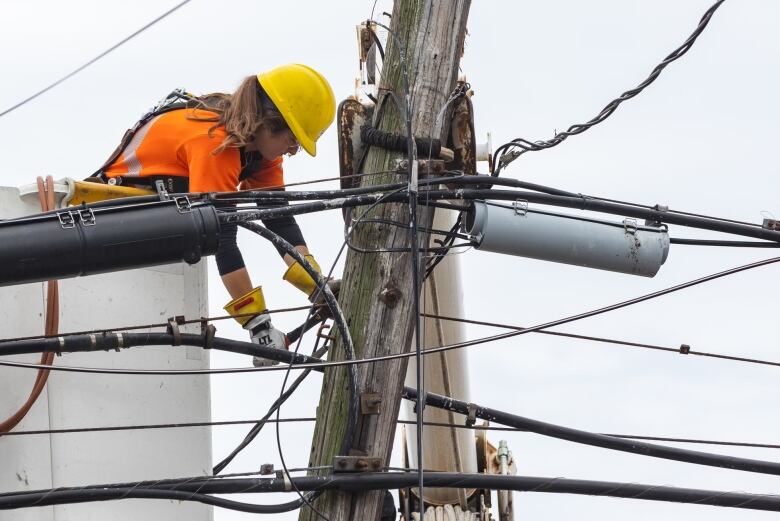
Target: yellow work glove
300,278
253,302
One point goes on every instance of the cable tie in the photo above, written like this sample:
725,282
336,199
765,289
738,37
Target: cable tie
685,349
281,474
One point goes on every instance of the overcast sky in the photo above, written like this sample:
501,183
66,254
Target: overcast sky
701,139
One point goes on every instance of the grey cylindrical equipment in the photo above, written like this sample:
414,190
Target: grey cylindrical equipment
83,241
625,247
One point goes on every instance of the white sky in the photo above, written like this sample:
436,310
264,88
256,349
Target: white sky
701,139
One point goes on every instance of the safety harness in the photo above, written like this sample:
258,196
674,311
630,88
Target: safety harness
178,99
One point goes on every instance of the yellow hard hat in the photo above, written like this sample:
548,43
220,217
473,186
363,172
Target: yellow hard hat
304,99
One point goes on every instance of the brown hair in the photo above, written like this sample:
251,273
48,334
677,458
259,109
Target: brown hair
242,113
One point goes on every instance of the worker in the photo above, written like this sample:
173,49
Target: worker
224,142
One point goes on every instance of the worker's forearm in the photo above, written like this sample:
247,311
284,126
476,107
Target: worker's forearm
303,250
237,283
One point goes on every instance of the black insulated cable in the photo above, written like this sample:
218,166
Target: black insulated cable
505,155
338,319
467,194
596,440
198,489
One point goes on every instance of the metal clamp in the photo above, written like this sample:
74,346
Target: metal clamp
183,204
159,187
173,328
266,468
370,403
120,341
66,220
87,216
771,224
685,349
656,221
356,464
630,226
520,206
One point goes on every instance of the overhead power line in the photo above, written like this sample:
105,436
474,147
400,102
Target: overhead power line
302,361
505,153
199,489
96,58
593,439
683,349
190,425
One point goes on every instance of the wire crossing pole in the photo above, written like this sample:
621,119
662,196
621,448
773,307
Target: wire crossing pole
425,43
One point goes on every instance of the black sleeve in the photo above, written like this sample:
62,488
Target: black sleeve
228,256
287,229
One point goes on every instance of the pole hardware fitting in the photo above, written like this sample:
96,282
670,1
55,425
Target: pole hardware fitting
771,224
657,221
471,417
173,328
685,349
432,167
321,332
390,295
520,206
370,403
630,226
266,469
183,204
356,464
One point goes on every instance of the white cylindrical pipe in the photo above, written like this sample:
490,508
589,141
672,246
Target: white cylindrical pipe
445,448
74,400
484,150
624,247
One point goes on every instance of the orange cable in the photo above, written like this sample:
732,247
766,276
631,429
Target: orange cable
52,318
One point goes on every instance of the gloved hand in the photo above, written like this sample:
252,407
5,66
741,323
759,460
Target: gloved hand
263,333
300,278
318,299
258,323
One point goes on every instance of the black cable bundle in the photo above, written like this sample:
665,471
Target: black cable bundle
373,136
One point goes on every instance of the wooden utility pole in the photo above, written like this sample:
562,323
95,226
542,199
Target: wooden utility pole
426,37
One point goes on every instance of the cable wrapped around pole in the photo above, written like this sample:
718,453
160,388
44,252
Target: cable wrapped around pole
390,141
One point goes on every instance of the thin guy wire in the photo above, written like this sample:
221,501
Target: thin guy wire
407,422
608,340
93,60
458,345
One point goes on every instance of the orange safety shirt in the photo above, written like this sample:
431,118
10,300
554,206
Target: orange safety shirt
173,144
